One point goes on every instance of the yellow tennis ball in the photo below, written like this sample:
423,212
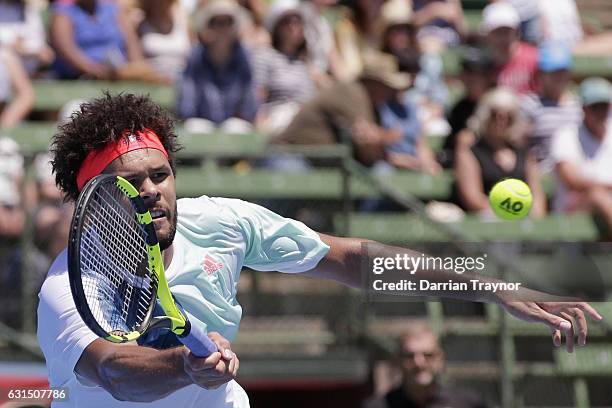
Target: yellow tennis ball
511,199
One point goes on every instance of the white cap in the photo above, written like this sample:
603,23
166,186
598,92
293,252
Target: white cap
279,9
497,15
11,160
216,8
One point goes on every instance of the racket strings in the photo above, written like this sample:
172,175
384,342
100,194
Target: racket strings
117,283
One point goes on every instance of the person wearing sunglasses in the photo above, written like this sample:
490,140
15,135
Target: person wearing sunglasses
420,359
498,152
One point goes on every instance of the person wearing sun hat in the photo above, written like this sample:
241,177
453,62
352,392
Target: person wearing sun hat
429,94
282,73
320,37
478,77
516,62
324,119
217,87
582,155
553,106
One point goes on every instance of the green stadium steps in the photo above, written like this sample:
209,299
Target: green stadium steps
322,184
401,228
35,136
592,360
51,95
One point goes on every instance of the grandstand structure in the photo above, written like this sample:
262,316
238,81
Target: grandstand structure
311,341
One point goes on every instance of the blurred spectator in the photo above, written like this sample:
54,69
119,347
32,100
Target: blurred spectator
498,128
441,23
357,34
323,55
94,38
328,118
12,220
254,33
21,28
51,217
560,22
421,361
529,12
12,214
282,75
16,93
554,106
478,77
411,151
399,38
516,62
47,193
582,155
164,33
190,6
217,85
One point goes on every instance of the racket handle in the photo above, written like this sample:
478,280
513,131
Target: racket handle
198,342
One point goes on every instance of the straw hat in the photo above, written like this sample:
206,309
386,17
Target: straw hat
384,68
395,13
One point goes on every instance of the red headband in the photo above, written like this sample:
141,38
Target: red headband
97,160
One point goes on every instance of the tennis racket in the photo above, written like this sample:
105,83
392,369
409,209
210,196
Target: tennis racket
116,268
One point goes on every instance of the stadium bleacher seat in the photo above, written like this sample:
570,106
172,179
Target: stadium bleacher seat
315,184
51,95
397,228
584,66
585,362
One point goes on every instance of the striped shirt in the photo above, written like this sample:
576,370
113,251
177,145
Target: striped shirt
5,76
546,117
284,79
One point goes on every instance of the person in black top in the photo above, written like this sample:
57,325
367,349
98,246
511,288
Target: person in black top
478,76
421,361
498,153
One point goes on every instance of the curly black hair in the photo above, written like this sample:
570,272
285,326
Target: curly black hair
100,121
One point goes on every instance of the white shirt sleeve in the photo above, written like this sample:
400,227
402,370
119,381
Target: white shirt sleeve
275,243
564,146
62,334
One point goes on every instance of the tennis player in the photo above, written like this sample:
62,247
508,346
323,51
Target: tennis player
206,242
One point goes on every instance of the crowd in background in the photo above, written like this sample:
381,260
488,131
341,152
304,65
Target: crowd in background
322,72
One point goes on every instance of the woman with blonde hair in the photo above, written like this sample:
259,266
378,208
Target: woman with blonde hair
498,152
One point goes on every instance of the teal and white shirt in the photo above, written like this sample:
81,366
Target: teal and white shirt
215,238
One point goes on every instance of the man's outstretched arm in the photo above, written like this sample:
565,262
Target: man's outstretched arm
142,374
343,264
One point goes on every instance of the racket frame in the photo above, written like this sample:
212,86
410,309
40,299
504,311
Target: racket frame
174,319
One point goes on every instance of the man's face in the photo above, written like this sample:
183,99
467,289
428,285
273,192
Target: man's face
421,359
149,171
501,40
555,83
596,117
